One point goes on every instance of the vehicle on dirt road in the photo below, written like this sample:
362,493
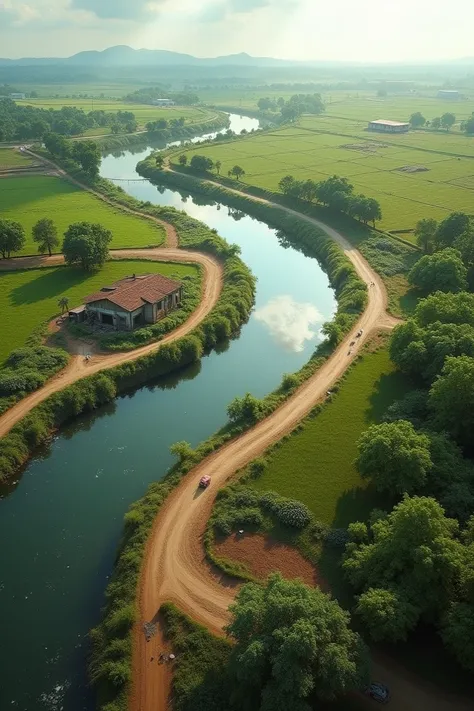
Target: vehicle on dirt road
378,692
204,482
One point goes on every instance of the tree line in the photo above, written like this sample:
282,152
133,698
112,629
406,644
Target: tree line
336,193
446,121
162,123
291,109
85,154
22,123
84,243
147,95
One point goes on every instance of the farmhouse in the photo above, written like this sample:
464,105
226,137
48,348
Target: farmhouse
388,126
451,94
17,95
163,102
130,302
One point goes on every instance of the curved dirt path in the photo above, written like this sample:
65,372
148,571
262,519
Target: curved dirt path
77,367
174,567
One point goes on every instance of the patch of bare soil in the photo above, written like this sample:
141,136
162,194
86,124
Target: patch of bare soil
262,555
363,147
412,169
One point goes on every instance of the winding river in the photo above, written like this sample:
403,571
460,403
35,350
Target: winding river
61,522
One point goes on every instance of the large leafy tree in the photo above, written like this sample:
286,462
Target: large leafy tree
452,227
448,120
395,457
413,553
12,237
86,244
291,641
387,614
425,231
452,399
87,153
201,164
422,351
45,234
56,145
441,271
446,308
417,120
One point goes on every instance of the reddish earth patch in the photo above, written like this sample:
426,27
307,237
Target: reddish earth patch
262,556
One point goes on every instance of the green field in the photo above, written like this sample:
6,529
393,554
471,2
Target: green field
28,199
143,113
316,464
30,297
320,147
9,158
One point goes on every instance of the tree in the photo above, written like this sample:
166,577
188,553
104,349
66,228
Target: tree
465,245
291,641
86,244
182,450
45,233
394,456
436,123
237,171
446,308
87,154
201,164
327,188
452,398
56,145
218,165
457,631
12,237
63,303
441,271
422,350
286,184
183,159
417,120
425,231
160,161
386,614
452,227
448,120
412,552
115,128
468,126
247,408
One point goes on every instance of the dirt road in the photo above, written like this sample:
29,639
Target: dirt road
78,368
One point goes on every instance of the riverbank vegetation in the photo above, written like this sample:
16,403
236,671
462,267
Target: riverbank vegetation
29,199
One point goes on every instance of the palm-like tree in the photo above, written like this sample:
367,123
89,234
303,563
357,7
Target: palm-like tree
63,303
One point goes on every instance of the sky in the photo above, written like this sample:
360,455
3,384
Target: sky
348,30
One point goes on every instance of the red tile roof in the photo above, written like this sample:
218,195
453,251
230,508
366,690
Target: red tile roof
132,292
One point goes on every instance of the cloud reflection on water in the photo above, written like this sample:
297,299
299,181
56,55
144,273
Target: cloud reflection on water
289,322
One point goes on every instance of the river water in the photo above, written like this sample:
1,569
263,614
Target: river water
61,522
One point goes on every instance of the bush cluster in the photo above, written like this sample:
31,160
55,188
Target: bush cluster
26,369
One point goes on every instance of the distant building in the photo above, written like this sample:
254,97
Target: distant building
451,94
389,126
16,95
130,302
163,102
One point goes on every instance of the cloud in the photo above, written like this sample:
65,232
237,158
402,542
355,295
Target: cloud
117,9
289,322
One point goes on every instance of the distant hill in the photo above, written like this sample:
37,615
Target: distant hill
123,56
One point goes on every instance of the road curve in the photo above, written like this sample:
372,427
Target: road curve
174,567
77,368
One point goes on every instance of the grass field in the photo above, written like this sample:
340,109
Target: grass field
30,297
28,199
372,162
10,158
316,464
143,113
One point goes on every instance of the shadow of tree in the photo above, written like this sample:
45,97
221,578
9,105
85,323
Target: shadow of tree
388,388
48,285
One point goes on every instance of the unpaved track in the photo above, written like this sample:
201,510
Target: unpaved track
78,368
175,568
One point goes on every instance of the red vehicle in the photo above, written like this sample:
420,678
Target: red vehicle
204,481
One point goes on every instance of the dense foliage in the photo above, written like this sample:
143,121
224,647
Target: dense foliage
336,193
406,565
288,110
292,642
441,271
12,237
21,123
86,244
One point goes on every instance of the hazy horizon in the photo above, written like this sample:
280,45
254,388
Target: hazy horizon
406,31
